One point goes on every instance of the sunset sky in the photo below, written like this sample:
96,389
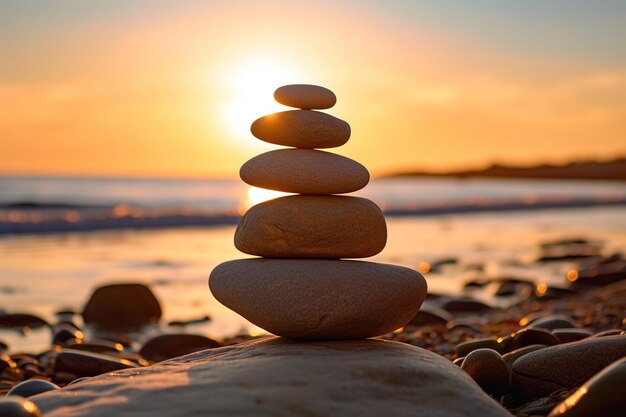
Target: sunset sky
170,88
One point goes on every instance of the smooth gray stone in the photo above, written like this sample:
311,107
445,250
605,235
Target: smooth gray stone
569,365
319,298
277,377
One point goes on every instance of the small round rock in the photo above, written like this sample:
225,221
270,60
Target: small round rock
305,96
32,387
489,371
14,406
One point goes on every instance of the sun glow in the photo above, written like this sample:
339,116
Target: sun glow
251,86
259,195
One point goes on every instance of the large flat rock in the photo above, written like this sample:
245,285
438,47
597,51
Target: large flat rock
277,377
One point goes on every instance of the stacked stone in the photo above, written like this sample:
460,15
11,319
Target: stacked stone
302,287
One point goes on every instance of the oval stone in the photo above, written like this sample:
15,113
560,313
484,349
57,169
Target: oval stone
305,96
305,171
167,346
32,387
568,365
302,129
488,369
319,299
311,226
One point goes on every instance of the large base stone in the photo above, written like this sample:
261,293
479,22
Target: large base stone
278,377
319,298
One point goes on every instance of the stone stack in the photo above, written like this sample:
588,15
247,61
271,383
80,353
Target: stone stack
302,287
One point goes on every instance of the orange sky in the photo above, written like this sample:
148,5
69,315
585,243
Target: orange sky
154,88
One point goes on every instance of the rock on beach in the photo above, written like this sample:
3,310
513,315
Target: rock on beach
319,299
569,365
277,377
305,171
311,226
302,129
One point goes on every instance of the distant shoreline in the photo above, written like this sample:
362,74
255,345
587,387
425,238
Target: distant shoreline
614,170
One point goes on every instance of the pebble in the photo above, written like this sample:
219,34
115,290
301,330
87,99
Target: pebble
65,334
601,275
551,322
568,365
81,363
319,299
97,346
511,357
309,172
609,332
465,305
305,96
463,349
488,369
19,320
307,226
122,307
18,407
431,317
603,395
169,346
533,336
302,129
571,335
32,387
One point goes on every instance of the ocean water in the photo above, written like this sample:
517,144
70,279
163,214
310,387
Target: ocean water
54,204
489,228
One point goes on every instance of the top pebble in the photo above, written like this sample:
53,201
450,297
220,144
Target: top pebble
305,96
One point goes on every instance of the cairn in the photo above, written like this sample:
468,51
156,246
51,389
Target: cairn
302,286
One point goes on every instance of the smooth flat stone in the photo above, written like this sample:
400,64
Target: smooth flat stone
278,377
305,96
305,171
603,395
311,226
82,363
302,129
538,374
319,299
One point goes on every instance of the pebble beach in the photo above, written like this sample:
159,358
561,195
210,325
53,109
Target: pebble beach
504,336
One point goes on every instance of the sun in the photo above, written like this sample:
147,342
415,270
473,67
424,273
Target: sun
251,84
